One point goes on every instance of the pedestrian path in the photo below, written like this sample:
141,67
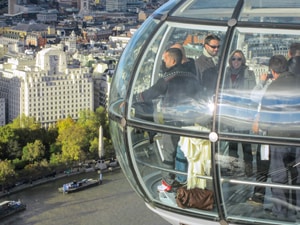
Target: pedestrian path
46,180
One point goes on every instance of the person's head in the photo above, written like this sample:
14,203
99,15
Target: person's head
212,44
237,59
294,50
278,64
172,57
179,46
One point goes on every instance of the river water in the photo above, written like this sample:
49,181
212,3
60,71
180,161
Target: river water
112,203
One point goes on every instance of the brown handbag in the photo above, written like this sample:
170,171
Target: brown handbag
195,198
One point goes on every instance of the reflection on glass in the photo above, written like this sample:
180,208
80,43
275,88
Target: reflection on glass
206,9
162,97
259,11
185,160
258,171
126,64
255,193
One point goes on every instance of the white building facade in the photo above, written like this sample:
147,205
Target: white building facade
50,90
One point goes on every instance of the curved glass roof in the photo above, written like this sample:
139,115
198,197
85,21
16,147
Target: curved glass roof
251,11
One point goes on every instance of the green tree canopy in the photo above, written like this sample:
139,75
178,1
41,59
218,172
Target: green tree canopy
7,138
72,138
34,151
6,170
24,121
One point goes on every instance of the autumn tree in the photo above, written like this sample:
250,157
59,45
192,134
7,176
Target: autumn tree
6,171
72,139
24,121
7,136
91,122
33,151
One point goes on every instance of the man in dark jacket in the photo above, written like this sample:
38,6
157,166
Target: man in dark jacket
207,64
187,63
181,163
279,117
176,85
175,88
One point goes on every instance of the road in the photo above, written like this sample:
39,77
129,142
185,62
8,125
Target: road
112,203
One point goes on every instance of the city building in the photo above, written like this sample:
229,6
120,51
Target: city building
48,89
2,111
47,16
74,73
26,33
116,5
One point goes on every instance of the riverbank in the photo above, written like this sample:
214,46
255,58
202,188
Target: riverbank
41,181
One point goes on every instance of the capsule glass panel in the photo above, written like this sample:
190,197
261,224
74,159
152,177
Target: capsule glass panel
147,97
263,11
236,134
208,10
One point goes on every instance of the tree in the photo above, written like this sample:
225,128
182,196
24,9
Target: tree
33,151
102,117
56,159
24,121
28,130
94,147
72,138
7,135
6,171
88,120
13,149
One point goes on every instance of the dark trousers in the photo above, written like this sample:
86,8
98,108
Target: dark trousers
262,168
281,162
169,147
247,151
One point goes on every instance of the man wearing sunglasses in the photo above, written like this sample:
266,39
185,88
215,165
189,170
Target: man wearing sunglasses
207,63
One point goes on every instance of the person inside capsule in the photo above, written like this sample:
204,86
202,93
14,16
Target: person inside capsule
207,64
281,96
181,162
294,58
239,80
175,87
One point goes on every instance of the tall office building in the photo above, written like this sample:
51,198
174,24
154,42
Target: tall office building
2,111
116,5
11,6
84,7
48,90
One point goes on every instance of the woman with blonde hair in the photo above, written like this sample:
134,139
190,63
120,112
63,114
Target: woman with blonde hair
238,74
239,77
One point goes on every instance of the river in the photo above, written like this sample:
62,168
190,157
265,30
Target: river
112,203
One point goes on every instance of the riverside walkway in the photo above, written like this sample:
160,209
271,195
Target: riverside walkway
41,181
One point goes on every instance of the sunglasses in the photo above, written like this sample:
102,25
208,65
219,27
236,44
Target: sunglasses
214,46
238,59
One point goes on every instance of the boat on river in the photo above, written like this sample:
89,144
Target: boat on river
10,207
75,186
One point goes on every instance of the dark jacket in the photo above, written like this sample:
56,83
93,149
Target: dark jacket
294,65
175,88
280,107
190,66
236,102
207,73
245,79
